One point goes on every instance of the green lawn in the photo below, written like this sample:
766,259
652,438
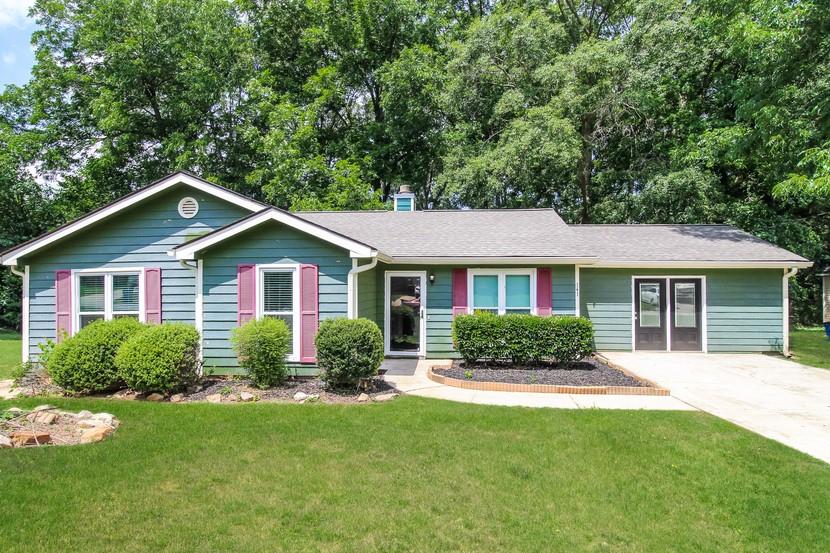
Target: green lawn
811,347
9,352
414,474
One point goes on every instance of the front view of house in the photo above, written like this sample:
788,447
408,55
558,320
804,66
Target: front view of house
183,249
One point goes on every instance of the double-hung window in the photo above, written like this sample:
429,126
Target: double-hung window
502,291
279,297
106,295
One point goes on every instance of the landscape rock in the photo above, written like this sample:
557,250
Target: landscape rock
106,418
41,417
5,442
300,396
363,398
15,410
126,394
155,397
95,434
44,407
176,398
90,423
385,397
214,398
19,439
83,414
246,396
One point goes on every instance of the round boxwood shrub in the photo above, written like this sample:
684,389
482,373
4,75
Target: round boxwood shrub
162,358
84,363
348,350
261,346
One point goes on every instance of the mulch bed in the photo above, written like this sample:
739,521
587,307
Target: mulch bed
230,388
590,372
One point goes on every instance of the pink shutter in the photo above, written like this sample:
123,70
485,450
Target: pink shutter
246,293
544,292
308,313
459,292
63,304
152,296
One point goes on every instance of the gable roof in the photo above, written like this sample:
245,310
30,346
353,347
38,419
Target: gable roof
681,245
11,255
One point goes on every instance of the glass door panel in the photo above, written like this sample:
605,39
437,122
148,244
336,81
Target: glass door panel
405,314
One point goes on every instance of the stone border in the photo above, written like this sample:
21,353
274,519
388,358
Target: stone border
650,390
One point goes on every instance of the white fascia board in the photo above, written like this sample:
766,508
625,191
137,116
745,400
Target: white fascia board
356,249
701,264
12,256
515,260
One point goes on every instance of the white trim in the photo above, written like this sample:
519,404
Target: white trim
24,312
11,257
260,298
495,260
704,329
190,249
785,294
700,264
576,290
422,346
501,274
107,273
199,309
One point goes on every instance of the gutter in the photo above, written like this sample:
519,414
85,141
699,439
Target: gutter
350,285
785,291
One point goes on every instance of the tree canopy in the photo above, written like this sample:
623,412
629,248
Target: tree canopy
611,111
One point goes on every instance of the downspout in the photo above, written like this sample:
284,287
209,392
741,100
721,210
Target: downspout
786,293
24,310
351,308
198,308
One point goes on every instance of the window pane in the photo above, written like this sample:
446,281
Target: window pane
125,316
278,291
289,320
485,291
525,311
650,305
91,291
517,291
125,292
86,319
684,305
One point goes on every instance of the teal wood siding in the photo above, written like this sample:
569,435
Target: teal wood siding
267,244
744,310
439,301
368,297
139,236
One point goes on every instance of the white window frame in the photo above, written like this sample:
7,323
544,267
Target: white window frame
108,312
293,268
502,284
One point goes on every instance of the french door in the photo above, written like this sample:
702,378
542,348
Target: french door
668,314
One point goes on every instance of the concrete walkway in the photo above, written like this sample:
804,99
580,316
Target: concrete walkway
777,398
419,385
7,391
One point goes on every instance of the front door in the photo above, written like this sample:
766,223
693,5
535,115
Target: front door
649,314
405,301
686,328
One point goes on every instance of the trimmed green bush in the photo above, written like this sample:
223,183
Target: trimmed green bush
161,358
84,363
348,350
522,339
261,346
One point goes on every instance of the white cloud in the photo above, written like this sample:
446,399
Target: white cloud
14,12
9,58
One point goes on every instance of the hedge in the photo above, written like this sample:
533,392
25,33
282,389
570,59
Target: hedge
162,358
348,350
261,346
484,336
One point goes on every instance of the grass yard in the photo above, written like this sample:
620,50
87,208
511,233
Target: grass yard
9,352
411,475
810,346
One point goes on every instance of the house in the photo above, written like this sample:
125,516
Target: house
183,249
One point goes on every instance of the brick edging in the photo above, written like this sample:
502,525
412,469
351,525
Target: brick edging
546,388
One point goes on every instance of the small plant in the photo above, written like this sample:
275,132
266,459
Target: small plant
348,351
468,374
261,346
225,390
20,371
162,358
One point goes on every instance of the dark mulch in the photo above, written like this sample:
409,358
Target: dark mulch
230,388
590,372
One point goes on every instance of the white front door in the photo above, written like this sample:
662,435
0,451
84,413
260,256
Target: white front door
405,313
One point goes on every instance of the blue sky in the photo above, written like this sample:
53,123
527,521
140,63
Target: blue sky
16,56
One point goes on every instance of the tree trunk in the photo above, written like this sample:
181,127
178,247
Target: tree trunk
586,167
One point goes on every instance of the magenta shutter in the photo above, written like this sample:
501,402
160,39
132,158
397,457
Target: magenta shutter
246,293
459,292
544,292
308,313
152,296
63,304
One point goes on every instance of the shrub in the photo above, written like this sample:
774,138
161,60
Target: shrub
261,346
348,350
162,358
522,338
84,362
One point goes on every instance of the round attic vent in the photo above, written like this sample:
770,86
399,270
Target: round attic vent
188,207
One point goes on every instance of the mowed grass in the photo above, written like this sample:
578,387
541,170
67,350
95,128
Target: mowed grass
411,475
10,355
810,346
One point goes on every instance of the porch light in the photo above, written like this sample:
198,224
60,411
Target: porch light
432,278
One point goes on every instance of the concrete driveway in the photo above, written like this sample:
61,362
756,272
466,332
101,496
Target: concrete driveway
777,398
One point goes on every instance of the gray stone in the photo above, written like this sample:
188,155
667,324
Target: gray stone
15,410
176,398
90,423
246,396
155,397
106,418
5,442
214,398
363,398
300,396
83,414
385,397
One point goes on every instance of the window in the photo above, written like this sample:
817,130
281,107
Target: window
650,305
685,306
107,295
279,298
503,291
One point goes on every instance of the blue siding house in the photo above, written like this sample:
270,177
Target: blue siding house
183,249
